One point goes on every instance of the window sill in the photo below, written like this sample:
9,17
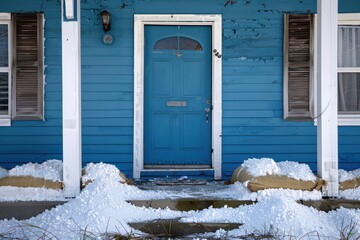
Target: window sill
5,122
349,120
346,120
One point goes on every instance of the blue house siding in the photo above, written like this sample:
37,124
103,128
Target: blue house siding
107,86
37,141
252,85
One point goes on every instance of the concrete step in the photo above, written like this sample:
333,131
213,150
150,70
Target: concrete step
175,228
189,204
327,205
25,210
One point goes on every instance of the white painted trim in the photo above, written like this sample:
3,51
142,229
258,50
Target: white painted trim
349,70
69,9
5,122
5,16
349,18
349,119
140,20
327,129
5,19
71,105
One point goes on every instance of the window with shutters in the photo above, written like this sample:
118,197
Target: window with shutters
298,67
299,77
21,67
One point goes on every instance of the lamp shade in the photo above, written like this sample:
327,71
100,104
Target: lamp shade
105,19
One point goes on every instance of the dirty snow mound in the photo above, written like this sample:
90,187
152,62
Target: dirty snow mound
3,172
94,171
348,175
50,170
267,166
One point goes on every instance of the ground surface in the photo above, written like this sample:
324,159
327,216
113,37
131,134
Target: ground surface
102,207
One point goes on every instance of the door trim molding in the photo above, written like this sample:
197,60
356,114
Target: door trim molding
140,20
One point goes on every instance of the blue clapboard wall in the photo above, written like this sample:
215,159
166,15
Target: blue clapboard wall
252,85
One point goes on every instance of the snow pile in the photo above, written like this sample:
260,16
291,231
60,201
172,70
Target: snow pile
282,217
13,194
3,172
50,170
348,175
267,166
353,194
261,167
94,171
292,195
101,207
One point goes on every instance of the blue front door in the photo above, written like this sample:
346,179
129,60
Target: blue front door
177,97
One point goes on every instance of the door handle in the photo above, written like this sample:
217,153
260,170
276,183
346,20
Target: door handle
207,110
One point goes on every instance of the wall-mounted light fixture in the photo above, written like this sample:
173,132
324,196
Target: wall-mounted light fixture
105,19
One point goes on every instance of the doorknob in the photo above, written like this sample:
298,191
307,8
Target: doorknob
207,110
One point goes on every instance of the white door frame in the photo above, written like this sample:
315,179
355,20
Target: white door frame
140,20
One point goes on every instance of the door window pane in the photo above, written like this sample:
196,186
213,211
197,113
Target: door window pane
170,43
349,92
4,93
178,43
348,46
4,45
189,44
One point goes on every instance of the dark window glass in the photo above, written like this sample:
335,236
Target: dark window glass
349,92
189,44
4,45
4,93
170,43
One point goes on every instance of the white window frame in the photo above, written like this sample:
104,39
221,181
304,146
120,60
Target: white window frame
343,119
140,20
349,119
5,19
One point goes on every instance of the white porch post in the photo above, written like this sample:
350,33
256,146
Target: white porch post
71,97
327,129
